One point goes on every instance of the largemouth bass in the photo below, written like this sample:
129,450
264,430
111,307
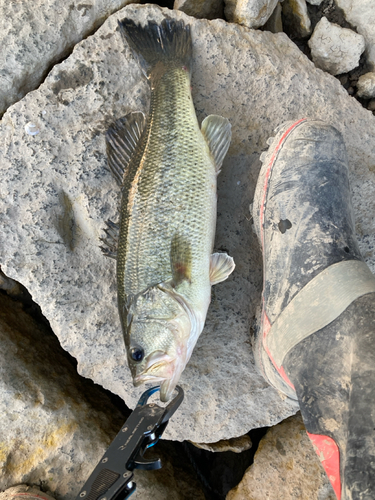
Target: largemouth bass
167,167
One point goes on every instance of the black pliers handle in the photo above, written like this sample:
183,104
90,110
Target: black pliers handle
112,477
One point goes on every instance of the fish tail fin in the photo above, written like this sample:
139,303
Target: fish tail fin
168,42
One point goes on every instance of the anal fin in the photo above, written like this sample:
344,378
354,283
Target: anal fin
122,138
111,239
218,133
221,266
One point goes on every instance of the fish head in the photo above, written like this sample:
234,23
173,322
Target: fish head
158,331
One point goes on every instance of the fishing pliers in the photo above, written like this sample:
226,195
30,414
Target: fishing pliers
112,478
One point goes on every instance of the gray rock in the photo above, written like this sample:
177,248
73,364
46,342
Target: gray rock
35,35
296,18
24,492
361,15
314,2
206,9
55,426
235,445
275,23
250,13
57,191
285,466
335,49
366,86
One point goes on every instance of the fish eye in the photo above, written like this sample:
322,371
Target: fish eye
136,353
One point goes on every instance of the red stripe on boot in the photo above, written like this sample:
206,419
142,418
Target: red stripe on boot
329,455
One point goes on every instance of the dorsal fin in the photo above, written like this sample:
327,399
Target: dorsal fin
110,240
217,132
122,138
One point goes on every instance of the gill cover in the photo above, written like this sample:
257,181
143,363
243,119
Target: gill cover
159,327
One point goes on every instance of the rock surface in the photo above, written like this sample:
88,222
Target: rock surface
24,492
35,35
275,23
236,445
296,18
285,466
207,9
250,13
366,86
361,15
56,193
55,426
335,49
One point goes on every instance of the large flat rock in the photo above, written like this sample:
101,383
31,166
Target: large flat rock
56,426
56,193
285,466
35,35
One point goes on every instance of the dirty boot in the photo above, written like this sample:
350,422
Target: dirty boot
316,340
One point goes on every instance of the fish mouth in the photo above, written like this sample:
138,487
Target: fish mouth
164,370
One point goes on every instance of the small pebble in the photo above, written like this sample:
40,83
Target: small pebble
31,128
350,91
366,86
371,105
343,79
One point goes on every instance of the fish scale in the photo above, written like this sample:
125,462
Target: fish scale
174,191
167,167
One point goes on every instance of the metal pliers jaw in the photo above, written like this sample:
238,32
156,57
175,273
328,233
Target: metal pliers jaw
112,477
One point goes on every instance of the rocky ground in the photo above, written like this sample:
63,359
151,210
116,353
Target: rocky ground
65,390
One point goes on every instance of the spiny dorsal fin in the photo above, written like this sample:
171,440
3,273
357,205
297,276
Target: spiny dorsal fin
221,265
111,239
122,138
180,259
217,132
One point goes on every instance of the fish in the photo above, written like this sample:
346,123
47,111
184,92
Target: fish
166,165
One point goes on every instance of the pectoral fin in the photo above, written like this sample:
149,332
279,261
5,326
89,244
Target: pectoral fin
122,139
221,266
180,259
217,132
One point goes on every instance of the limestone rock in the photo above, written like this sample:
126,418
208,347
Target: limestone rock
314,2
24,492
335,49
361,15
55,426
275,23
236,445
250,13
48,424
285,466
56,193
296,18
206,9
366,86
35,35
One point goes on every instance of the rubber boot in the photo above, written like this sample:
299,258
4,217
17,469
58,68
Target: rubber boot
316,338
